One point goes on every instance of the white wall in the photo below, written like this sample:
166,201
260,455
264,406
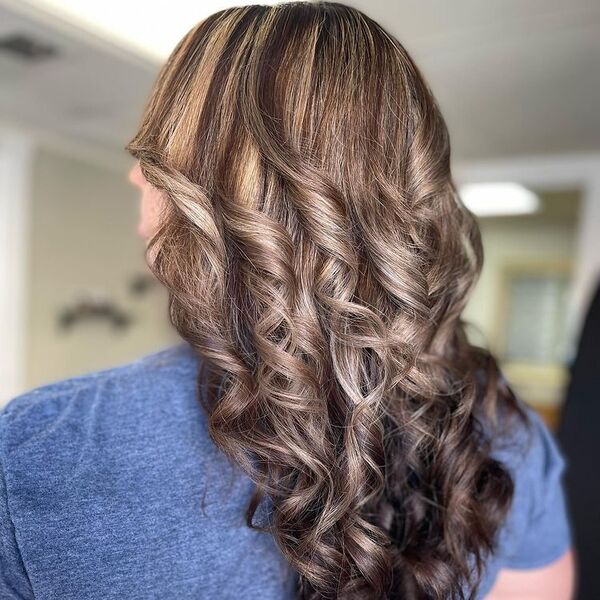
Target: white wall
82,237
15,178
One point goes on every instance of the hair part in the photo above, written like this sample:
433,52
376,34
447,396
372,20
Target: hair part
318,258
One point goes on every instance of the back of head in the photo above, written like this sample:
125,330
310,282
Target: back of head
318,258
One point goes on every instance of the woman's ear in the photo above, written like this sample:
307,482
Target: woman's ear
135,175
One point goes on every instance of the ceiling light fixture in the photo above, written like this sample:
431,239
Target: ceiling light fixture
498,199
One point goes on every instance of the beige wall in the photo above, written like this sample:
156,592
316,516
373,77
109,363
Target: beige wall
83,237
510,242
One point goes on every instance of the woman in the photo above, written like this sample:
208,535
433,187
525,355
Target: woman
325,429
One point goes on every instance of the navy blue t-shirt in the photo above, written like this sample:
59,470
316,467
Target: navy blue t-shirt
111,488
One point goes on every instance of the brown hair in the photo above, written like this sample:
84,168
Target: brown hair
318,258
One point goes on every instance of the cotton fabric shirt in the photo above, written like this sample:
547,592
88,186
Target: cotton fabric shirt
111,488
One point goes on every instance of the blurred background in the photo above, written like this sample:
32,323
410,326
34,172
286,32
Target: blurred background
518,83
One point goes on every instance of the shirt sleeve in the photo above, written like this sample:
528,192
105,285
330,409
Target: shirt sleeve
14,581
542,530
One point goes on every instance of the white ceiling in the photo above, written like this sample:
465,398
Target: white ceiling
512,77
122,21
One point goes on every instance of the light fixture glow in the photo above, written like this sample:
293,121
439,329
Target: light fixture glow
498,199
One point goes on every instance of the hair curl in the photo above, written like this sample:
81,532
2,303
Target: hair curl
318,258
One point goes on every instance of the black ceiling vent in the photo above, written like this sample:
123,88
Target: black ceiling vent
25,47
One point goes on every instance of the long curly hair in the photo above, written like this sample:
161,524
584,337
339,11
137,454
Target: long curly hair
318,259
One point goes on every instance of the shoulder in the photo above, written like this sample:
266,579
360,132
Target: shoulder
537,530
56,437
532,454
115,390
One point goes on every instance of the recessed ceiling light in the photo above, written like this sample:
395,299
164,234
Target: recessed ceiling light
498,199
